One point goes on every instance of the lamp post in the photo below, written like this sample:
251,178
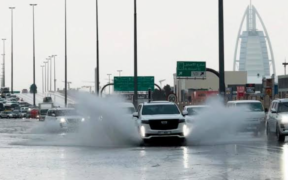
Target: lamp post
50,59
12,53
54,56
65,54
97,51
48,88
135,99
109,80
45,62
3,75
34,98
119,71
221,49
42,78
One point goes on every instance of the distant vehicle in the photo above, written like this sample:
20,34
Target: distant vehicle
3,114
24,111
17,114
11,107
34,113
24,91
2,107
4,91
193,111
160,119
43,109
12,115
47,100
277,119
255,118
64,118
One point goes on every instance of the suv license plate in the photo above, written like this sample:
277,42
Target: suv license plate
164,132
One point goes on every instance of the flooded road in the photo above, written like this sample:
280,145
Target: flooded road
25,153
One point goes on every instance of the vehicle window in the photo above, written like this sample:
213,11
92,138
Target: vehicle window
66,113
251,106
195,110
160,109
50,113
283,107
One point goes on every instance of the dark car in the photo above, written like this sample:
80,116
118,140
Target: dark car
12,115
24,91
47,99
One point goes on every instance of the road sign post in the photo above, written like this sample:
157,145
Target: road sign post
192,69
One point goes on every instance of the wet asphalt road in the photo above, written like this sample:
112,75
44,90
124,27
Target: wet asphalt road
28,154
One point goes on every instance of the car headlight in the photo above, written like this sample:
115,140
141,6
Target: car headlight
284,119
142,131
62,120
185,130
83,119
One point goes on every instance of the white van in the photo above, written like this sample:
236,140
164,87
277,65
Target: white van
254,114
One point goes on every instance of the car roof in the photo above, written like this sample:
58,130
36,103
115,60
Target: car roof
158,103
62,109
244,101
281,100
196,106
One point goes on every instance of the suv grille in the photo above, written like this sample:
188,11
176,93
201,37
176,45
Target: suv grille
164,124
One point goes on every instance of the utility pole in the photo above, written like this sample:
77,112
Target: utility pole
3,75
34,83
50,59
12,53
135,98
221,49
285,64
48,88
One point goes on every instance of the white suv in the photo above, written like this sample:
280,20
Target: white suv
160,119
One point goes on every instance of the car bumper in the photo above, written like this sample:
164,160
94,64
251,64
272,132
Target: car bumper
149,133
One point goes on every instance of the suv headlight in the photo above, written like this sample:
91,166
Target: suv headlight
62,120
83,119
284,119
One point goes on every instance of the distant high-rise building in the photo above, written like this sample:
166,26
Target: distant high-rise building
255,54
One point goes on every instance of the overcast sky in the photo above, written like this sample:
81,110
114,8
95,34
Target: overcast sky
168,30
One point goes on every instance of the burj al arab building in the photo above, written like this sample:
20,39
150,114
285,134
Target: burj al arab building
253,51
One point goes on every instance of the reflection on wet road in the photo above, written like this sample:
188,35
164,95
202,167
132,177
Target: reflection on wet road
27,154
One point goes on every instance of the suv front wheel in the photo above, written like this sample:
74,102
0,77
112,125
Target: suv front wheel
280,137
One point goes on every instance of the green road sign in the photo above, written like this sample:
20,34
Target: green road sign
16,92
126,83
191,69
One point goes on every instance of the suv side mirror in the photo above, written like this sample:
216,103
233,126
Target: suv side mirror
273,111
135,114
185,113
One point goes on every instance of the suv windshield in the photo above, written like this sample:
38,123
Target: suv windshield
251,106
160,109
66,113
283,107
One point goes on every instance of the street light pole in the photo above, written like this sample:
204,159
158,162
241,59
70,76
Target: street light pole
42,79
34,83
54,74
50,59
221,50
45,62
48,88
109,80
65,54
12,53
97,51
3,75
119,71
135,99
